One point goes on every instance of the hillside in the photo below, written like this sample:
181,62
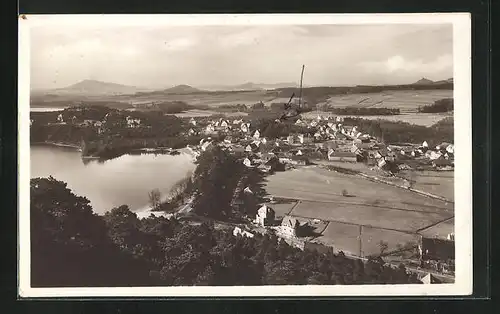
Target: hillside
249,86
181,89
93,88
423,81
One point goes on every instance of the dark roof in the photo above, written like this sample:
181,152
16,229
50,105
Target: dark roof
343,154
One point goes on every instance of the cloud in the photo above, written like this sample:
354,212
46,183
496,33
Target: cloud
171,55
399,64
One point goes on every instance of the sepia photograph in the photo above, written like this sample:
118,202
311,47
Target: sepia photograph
245,155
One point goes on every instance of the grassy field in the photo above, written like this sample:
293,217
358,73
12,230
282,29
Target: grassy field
212,99
404,100
440,230
371,237
316,184
367,215
436,182
342,237
385,213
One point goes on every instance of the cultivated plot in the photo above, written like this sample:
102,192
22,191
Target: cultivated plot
440,230
371,239
366,215
316,184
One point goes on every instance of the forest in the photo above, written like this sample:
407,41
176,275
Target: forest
441,105
72,246
116,139
402,132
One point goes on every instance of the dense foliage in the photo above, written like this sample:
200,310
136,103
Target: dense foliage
401,132
71,246
442,105
360,111
218,174
156,130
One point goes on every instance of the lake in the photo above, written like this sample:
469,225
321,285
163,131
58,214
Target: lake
45,109
125,180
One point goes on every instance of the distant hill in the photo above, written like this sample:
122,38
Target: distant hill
448,81
423,81
248,86
93,88
181,89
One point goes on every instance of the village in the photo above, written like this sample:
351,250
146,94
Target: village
343,147
324,143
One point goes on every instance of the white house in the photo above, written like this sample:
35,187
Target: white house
263,140
210,129
425,145
247,190
248,148
205,145
247,162
192,121
432,155
256,135
238,231
265,216
244,127
299,153
301,138
60,118
289,226
381,162
133,123
450,149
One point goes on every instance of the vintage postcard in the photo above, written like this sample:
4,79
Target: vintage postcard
245,155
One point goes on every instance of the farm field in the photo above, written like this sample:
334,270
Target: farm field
211,99
320,185
195,113
440,230
367,215
404,100
436,182
371,237
342,237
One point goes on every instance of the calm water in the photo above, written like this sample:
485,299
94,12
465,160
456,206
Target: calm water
124,180
45,109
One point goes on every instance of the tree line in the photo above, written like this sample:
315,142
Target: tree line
402,132
72,246
441,105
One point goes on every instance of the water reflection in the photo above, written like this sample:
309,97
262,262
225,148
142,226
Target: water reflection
124,180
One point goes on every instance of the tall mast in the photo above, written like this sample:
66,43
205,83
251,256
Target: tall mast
300,91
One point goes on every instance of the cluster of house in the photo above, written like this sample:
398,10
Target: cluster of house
332,141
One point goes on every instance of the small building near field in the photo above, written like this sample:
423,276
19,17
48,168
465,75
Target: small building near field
265,216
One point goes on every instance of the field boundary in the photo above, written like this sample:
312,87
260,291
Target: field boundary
435,224
300,200
357,224
371,178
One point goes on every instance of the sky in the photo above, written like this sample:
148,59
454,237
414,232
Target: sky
162,56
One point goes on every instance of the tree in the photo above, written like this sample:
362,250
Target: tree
155,199
383,246
68,238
